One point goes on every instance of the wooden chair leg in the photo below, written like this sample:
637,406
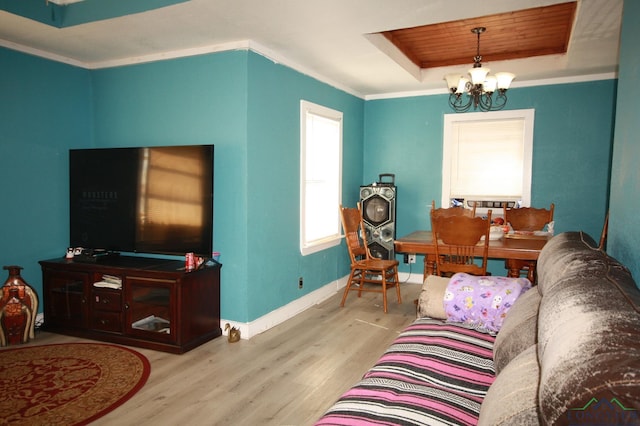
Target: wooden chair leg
531,270
363,276
357,277
384,291
395,277
344,295
347,288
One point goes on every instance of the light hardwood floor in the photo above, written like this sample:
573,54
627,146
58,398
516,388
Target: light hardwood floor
288,375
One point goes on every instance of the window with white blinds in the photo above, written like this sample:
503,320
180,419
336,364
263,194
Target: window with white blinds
320,177
487,157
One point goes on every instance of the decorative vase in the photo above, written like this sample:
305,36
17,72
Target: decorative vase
18,309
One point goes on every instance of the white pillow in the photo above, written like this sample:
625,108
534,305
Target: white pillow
431,300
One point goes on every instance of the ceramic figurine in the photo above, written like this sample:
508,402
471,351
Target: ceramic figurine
234,333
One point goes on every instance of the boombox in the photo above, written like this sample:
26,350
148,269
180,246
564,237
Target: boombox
378,204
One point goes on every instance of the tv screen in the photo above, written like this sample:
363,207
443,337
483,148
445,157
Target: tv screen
147,199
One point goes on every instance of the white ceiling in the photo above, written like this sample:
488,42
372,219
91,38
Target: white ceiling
326,39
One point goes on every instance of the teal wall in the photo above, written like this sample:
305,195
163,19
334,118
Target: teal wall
273,262
571,152
624,221
192,100
45,107
244,104
249,108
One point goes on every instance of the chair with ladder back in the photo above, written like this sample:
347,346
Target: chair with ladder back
448,212
368,273
451,211
456,240
526,220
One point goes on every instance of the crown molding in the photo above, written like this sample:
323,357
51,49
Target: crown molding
278,59
41,53
181,53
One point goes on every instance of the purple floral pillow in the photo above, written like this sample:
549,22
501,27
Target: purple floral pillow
482,302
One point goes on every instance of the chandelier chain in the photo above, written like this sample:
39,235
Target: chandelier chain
478,59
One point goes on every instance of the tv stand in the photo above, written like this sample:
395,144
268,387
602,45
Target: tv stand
152,303
95,256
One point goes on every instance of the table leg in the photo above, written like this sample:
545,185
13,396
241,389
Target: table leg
513,272
513,268
429,266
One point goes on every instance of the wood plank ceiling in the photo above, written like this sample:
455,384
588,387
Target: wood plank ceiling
513,35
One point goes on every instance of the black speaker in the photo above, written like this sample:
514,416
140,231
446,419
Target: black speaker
378,204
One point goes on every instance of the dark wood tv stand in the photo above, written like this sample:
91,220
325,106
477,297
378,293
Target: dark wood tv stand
159,305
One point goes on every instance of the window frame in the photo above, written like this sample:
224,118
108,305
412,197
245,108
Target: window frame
331,239
528,115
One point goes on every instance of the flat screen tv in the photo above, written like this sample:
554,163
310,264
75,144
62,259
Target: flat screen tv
142,200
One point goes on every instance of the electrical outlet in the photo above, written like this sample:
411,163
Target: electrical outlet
412,258
406,258
300,282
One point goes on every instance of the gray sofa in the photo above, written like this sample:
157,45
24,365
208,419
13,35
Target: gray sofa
568,353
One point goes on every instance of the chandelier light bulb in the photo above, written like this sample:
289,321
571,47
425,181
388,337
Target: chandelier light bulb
490,84
504,79
452,81
478,75
462,85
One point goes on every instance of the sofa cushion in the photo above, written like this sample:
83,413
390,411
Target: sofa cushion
589,338
431,299
482,302
565,255
512,399
519,330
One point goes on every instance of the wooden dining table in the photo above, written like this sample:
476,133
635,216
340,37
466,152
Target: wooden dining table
510,246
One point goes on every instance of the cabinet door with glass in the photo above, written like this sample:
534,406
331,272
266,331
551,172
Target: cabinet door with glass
66,299
150,308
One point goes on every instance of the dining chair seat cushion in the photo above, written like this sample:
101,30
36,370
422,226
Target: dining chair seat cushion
431,299
482,301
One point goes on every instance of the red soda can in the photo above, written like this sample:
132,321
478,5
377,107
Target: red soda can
190,261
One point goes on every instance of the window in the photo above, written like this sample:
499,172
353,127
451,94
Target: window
320,177
487,158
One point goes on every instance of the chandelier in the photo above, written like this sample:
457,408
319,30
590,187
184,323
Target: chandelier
480,88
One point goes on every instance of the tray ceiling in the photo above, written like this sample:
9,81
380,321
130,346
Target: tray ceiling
339,42
513,35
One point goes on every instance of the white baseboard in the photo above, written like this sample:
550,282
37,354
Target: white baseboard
275,317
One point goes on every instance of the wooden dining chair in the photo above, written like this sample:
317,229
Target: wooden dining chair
526,219
447,212
451,211
456,240
603,235
368,273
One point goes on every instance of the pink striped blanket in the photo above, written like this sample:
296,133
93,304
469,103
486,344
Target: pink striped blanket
435,373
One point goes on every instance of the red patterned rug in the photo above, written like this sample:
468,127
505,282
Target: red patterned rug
67,384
